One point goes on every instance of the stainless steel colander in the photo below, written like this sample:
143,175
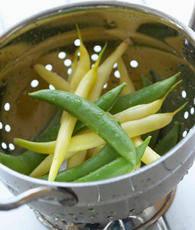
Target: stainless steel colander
161,44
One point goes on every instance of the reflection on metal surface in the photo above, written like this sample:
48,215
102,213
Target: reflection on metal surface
150,219
162,225
58,196
157,30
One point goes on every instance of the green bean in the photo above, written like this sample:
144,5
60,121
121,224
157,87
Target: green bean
145,95
104,156
67,123
50,132
149,155
24,163
105,102
154,134
29,160
169,140
155,76
90,139
145,81
94,117
171,80
117,167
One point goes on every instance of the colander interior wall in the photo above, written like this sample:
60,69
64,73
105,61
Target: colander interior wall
160,45
52,41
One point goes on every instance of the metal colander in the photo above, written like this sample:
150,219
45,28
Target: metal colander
161,44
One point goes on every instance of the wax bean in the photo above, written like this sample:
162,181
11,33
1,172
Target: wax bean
124,77
105,69
52,78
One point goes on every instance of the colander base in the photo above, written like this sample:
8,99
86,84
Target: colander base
145,219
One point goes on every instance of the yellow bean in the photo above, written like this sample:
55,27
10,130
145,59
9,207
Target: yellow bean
43,167
39,147
133,128
74,65
52,78
128,114
149,154
77,143
77,159
148,157
138,166
106,68
94,151
89,139
62,142
139,111
124,77
68,121
147,124
83,65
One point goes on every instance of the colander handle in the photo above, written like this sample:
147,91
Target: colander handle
63,196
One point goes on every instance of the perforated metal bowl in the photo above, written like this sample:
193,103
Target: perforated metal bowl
161,44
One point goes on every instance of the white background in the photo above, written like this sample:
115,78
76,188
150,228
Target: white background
181,214
13,11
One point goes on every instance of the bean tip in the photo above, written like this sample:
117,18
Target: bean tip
124,84
78,32
129,41
180,108
172,88
178,74
37,66
148,139
15,140
31,94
